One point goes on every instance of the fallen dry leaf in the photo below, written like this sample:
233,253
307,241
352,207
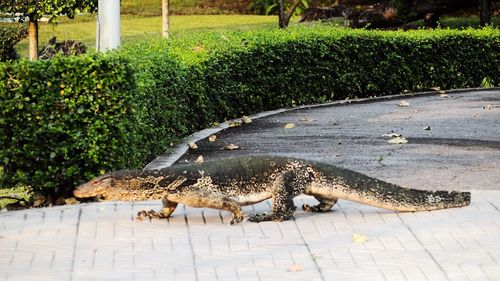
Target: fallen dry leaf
443,95
289,126
296,267
246,119
199,160
212,138
39,201
436,88
359,238
234,124
71,201
404,103
398,140
475,115
198,48
391,135
307,119
193,145
231,146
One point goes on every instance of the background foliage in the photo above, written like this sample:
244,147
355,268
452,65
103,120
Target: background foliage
10,35
66,120
36,9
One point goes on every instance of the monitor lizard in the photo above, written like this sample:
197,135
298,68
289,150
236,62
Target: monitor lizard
228,184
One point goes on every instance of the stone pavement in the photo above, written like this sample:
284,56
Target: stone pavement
103,241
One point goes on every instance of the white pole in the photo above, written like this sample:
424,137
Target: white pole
165,18
108,25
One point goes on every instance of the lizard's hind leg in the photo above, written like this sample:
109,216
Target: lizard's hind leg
324,205
286,187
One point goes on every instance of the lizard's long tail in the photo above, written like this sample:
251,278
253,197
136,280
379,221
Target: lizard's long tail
354,186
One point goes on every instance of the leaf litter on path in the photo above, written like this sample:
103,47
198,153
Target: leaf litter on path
231,146
246,119
359,238
199,160
404,103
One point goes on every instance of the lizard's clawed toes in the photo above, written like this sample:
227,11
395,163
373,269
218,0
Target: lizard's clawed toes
141,215
236,219
261,217
307,208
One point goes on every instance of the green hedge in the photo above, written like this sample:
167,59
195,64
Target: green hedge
10,35
307,65
64,120
122,109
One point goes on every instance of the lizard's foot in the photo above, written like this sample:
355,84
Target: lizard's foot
317,208
141,215
237,219
268,217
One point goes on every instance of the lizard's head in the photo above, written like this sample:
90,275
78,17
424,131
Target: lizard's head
97,187
109,186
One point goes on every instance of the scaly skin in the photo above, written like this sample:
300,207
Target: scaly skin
228,184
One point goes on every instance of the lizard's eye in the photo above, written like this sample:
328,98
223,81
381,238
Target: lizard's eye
104,180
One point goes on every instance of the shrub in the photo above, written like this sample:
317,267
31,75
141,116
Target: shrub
64,120
68,119
10,35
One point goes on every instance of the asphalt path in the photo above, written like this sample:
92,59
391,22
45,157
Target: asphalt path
453,139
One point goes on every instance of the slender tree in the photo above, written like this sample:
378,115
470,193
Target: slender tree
34,10
484,12
165,17
285,14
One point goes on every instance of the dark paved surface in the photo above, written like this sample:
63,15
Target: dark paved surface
460,151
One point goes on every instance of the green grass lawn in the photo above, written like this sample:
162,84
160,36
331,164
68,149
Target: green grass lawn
153,7
83,28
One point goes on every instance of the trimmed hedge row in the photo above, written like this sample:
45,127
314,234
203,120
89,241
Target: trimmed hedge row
123,109
302,66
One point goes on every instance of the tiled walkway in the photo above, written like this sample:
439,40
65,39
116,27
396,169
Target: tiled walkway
103,241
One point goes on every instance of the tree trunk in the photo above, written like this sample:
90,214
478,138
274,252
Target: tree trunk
165,18
281,13
33,39
484,12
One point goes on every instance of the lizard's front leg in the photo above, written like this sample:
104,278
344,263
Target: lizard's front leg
166,211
